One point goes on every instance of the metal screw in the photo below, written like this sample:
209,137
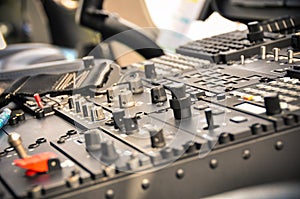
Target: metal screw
110,194
180,173
279,145
145,184
213,163
246,154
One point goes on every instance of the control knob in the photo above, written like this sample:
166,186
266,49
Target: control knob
272,104
256,33
180,102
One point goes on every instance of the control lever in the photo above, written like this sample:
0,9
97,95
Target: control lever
209,120
35,164
118,118
156,137
131,125
180,102
14,139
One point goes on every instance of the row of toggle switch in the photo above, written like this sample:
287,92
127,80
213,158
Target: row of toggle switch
88,110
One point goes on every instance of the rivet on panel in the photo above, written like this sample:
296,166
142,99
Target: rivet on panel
213,163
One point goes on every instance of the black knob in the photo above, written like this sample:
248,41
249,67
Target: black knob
92,140
118,115
254,26
256,33
13,120
39,113
20,115
225,138
157,138
158,94
109,153
288,119
86,109
150,70
71,102
131,125
180,102
190,147
256,128
295,41
272,104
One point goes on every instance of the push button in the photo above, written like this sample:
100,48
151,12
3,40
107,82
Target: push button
238,119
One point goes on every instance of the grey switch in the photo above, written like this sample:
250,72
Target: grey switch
150,72
92,140
158,94
109,153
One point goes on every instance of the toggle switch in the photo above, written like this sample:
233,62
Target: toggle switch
156,137
38,163
97,113
86,109
38,100
158,94
209,119
14,139
71,102
78,104
150,72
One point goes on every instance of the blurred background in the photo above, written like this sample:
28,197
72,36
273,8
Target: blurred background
51,25
53,21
